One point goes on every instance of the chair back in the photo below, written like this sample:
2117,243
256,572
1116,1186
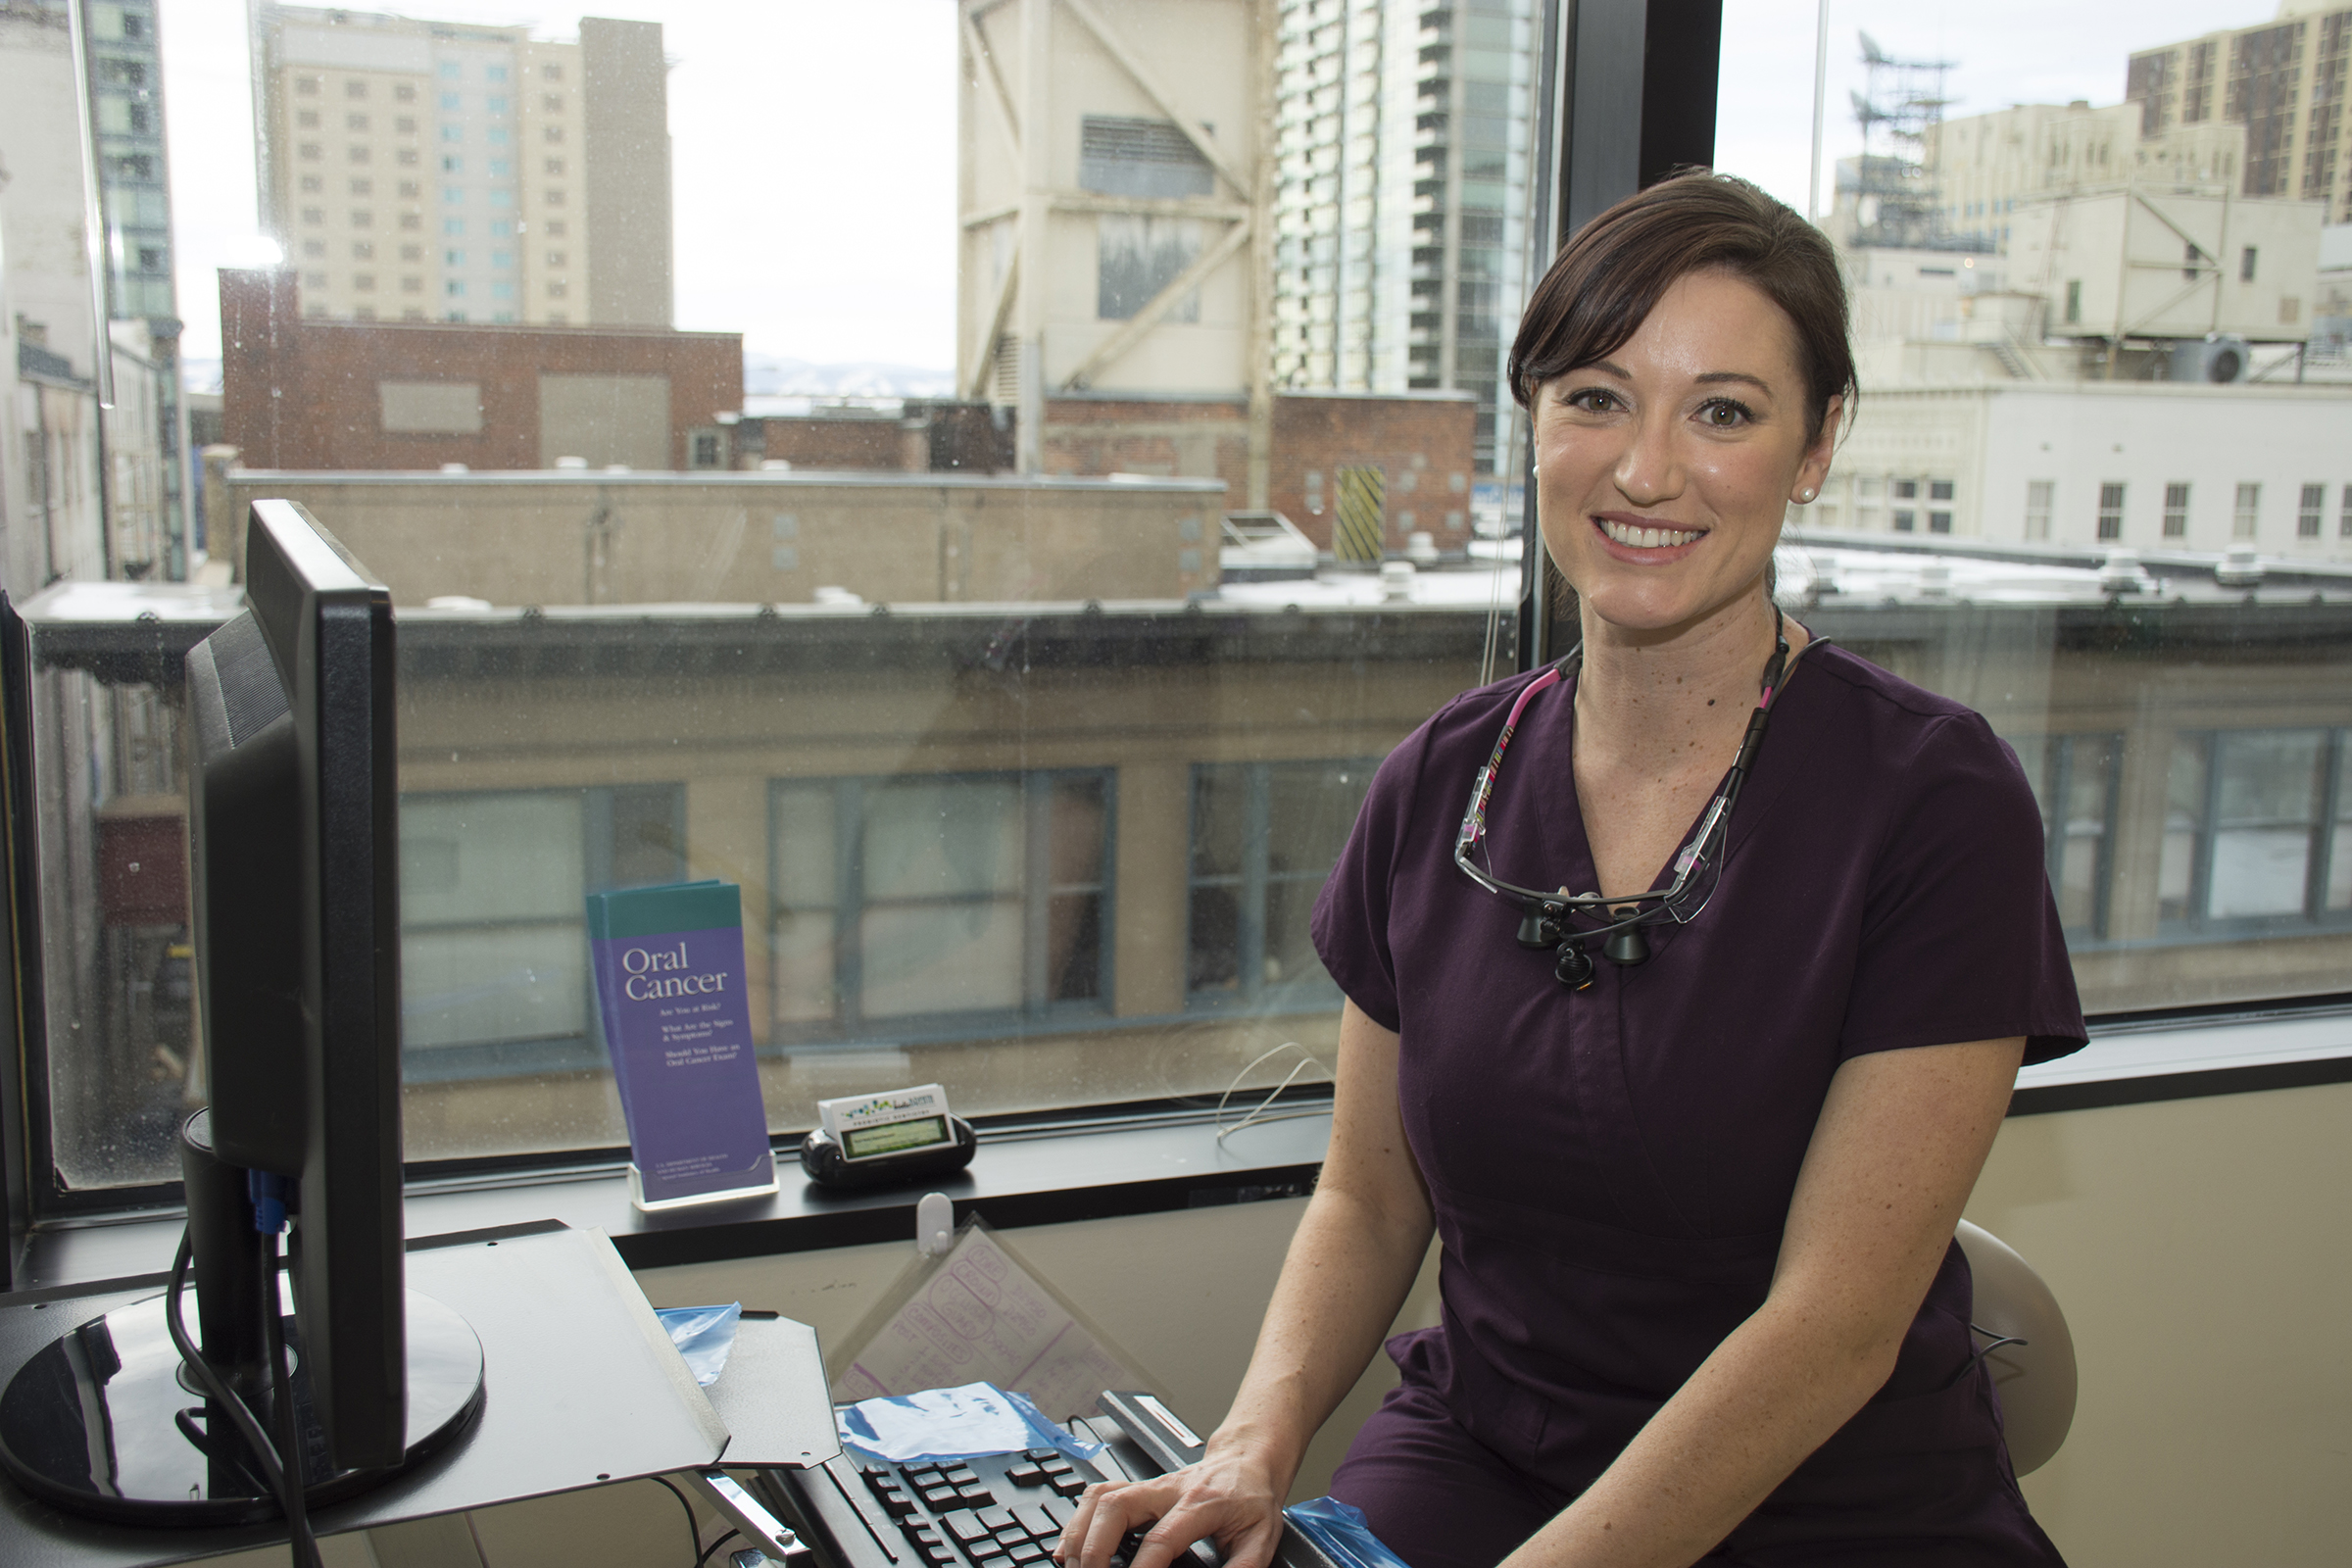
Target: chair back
2035,1376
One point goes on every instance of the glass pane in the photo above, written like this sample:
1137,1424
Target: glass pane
2268,786
486,985
1221,821
2082,856
800,947
2183,827
800,835
2339,856
961,957
1309,810
927,840
472,858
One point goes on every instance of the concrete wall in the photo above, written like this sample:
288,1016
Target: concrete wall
2196,1246
766,538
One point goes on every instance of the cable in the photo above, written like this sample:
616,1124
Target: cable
705,1555
304,1545
1258,1113
215,1388
694,1526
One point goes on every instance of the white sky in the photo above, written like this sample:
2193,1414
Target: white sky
812,141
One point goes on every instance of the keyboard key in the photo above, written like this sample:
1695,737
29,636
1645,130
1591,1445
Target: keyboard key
898,1505
1035,1520
995,1518
1067,1486
975,1496
964,1526
1054,1466
1041,1456
941,1497
938,1553
1058,1511
961,1475
1025,1475
986,1547
1028,1553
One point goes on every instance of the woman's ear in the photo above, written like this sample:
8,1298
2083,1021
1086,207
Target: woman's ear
1814,470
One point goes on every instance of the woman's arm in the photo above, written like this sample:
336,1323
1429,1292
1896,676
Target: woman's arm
1353,1258
1901,1138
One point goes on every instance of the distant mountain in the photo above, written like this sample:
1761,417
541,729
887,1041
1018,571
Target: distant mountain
770,375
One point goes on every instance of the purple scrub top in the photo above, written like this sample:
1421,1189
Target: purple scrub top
1611,1169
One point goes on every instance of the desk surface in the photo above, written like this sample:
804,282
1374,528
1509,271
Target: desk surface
583,1387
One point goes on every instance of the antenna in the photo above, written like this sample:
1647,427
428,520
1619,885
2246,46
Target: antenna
1898,203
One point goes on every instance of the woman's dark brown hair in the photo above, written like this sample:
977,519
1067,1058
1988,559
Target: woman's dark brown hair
1610,276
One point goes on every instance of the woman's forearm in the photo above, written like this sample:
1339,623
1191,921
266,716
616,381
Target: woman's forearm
1348,1272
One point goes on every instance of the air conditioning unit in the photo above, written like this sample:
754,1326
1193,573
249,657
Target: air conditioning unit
2219,357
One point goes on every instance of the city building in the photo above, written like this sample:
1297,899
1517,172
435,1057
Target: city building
1402,239
135,187
426,171
1113,226
2090,463
299,391
1985,163
84,492
2285,80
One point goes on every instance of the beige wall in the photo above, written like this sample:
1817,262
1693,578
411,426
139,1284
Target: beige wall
2199,1249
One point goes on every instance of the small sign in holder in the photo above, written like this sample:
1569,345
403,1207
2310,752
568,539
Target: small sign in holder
670,997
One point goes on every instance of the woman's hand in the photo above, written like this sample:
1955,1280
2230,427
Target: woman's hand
1231,1496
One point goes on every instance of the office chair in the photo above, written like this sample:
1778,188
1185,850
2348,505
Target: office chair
2035,1375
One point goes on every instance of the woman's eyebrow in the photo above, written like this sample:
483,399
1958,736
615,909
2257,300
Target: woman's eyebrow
1756,381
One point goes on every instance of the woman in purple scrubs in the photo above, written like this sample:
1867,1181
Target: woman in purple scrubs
1689,1039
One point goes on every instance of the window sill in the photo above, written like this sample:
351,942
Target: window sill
1039,1174
1046,1173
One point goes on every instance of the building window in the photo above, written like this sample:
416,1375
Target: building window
314,215
412,252
494,74
355,121
412,286
495,136
362,251
1264,835
555,166
706,450
2074,301
494,105
311,185
500,167
939,905
552,135
314,247
364,282
455,134
411,220
362,217
1940,523
553,196
2343,517
453,164
405,125
406,157
1906,521
451,71
2175,512
2251,833
493,947
453,226
355,87
309,150
2245,263
313,281
455,288
2076,780
1906,489
2248,509
306,118
453,258
502,290
555,228
1939,489
557,289
2039,497
2307,516
2111,512
406,94
358,154
452,195
560,258
502,259
306,86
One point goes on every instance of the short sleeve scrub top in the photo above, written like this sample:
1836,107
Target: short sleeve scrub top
1612,1168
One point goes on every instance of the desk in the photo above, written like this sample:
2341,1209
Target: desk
583,1387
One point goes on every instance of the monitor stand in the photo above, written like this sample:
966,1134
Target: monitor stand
108,1423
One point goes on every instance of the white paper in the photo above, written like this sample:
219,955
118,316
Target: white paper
981,1317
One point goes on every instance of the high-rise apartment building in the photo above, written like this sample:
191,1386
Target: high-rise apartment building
2285,80
1401,248
426,171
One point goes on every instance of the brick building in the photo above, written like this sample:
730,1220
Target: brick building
309,393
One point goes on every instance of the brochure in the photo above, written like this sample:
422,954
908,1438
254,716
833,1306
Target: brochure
670,996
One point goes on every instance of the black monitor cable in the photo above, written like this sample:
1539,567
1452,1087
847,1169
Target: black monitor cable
265,1454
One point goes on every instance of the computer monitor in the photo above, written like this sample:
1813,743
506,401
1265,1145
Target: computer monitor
294,851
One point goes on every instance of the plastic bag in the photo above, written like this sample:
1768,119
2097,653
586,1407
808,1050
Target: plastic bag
1340,1529
952,1424
704,1334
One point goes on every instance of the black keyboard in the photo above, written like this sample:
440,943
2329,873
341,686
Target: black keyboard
996,1510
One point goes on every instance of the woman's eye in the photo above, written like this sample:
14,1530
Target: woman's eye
1721,415
1591,400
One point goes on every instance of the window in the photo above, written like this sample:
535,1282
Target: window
359,155
453,226
551,72
411,220
2111,512
451,71
2256,828
306,86
311,185
494,105
1940,521
355,121
502,229
500,167
2248,509
405,125
2175,511
412,252
502,259
494,74
936,907
1906,521
453,258
404,92
2038,493
314,215
553,196
2073,302
452,195
363,187
2307,516
355,87
362,217
2343,519
362,250
1939,489
555,166
493,938
455,288
306,118
1264,835
2245,264
364,282
495,136
2076,779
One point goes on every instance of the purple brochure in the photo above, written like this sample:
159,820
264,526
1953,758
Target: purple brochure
670,996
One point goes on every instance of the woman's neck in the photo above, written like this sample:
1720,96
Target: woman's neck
1650,702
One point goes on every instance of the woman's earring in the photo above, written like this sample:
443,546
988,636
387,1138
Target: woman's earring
1804,496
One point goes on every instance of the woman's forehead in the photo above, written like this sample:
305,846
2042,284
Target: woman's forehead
1708,325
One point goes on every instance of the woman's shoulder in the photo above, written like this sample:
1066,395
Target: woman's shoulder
1899,742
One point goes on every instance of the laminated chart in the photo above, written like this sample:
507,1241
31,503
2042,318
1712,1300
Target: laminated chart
978,1315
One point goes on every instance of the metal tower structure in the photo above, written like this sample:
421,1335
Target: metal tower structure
1897,203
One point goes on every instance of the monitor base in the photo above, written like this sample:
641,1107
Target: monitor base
108,1424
